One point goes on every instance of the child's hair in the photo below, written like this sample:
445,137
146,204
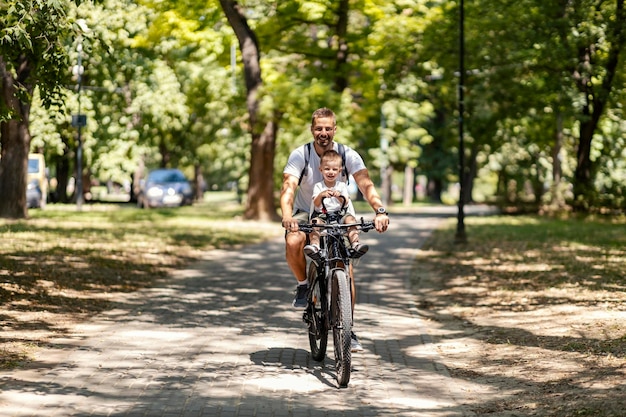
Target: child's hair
330,155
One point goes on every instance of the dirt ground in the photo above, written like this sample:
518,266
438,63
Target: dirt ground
530,351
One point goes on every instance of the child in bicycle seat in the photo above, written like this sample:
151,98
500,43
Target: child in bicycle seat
333,195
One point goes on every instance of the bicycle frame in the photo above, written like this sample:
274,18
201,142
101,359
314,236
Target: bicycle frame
331,308
333,249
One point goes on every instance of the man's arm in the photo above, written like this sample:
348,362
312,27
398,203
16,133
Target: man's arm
287,196
366,185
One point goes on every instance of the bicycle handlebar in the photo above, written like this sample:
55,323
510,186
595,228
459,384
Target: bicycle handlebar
364,226
343,202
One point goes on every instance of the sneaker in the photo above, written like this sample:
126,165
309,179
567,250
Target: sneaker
359,249
355,345
313,252
301,292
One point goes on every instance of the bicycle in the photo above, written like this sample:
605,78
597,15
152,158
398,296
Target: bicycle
330,296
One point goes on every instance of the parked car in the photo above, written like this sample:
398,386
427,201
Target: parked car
37,181
34,196
165,188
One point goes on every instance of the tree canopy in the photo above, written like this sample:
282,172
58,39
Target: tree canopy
168,84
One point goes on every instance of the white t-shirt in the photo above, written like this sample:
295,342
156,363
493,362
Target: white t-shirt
295,164
333,203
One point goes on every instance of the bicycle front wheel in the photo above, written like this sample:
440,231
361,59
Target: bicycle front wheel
341,313
317,312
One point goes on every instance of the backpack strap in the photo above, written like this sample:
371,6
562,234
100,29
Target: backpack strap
342,152
307,156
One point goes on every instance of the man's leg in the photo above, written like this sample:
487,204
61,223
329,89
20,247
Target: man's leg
294,254
294,244
296,261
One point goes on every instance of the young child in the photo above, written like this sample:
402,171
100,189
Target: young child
330,191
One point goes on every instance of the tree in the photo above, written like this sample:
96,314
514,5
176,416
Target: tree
32,54
260,203
545,87
598,56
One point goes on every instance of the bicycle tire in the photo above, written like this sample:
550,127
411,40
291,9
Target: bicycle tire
318,325
341,313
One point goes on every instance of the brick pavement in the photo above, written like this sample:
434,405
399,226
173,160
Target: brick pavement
220,338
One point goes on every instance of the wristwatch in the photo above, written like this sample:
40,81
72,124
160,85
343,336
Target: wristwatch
381,210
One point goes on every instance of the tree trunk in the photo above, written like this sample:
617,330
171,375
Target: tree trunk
469,175
341,58
166,155
15,143
409,185
199,184
557,200
260,203
434,187
386,186
13,169
62,175
138,176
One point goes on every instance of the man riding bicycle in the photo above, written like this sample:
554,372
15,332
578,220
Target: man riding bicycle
299,177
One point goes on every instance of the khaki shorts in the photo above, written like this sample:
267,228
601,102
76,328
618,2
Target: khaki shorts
301,216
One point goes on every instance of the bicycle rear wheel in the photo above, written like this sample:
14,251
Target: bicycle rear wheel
341,313
317,312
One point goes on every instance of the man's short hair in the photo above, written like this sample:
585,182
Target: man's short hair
323,113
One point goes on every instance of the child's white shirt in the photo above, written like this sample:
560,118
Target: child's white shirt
333,203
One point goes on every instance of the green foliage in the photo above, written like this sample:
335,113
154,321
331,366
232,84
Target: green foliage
32,34
159,87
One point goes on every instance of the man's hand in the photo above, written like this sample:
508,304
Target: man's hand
290,224
381,222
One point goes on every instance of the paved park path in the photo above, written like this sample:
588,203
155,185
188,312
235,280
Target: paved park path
220,338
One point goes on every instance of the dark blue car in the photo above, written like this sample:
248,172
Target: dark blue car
165,188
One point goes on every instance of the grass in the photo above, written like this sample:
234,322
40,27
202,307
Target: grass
542,253
526,263
61,265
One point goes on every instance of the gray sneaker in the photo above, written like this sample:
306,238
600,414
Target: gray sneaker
313,252
301,293
355,345
359,249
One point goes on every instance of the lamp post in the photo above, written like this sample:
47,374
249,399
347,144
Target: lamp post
461,237
79,120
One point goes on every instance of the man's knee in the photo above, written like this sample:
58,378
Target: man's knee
295,239
294,245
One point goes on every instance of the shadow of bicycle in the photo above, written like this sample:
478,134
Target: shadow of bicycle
290,359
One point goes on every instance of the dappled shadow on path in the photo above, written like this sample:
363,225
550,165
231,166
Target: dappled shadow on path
220,338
